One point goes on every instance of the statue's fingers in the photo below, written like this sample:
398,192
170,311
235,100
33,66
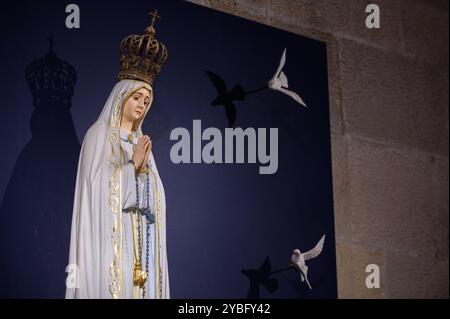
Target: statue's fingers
145,146
139,144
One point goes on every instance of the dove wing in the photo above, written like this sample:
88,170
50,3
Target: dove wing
313,253
283,80
293,95
266,266
217,81
281,65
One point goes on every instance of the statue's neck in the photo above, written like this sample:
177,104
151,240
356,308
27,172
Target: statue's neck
126,126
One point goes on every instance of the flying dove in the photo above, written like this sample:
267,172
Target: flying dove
279,82
226,97
299,259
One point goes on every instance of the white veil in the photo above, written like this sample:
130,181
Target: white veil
95,267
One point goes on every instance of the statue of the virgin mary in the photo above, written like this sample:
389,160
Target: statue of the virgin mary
118,236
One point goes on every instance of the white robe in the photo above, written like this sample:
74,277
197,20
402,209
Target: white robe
129,192
101,247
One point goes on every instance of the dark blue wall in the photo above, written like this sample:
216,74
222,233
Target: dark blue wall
221,218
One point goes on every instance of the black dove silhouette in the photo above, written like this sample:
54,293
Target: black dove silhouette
260,277
225,97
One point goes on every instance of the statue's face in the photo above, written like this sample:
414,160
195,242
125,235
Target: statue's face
137,104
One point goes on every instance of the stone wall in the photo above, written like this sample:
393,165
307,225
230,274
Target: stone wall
389,125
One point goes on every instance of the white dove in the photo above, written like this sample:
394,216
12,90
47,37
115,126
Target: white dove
279,82
298,259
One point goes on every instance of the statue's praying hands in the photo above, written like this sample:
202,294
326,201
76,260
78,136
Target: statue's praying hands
141,152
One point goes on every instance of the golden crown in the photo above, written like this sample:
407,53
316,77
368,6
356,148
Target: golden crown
142,56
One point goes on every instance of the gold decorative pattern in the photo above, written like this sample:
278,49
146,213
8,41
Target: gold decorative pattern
157,207
115,203
158,210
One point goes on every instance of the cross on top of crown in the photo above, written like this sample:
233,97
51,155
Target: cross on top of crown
154,16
